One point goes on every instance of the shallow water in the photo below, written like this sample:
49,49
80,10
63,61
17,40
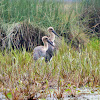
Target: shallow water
2,97
84,94
82,97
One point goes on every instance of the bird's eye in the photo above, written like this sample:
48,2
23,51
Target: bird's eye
51,29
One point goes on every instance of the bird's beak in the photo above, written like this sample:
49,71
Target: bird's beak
50,43
55,33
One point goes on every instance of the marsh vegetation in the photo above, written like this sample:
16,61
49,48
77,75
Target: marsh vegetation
76,63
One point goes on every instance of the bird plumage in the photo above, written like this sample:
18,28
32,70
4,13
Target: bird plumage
51,49
40,51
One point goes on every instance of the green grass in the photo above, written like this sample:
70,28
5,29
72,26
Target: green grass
62,16
46,13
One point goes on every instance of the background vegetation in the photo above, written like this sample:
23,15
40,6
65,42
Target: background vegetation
77,61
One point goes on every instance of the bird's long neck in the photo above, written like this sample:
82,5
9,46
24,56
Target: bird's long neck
52,36
45,46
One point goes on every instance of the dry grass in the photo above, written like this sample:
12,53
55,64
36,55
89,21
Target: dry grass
22,78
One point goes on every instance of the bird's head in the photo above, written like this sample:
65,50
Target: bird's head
45,39
51,30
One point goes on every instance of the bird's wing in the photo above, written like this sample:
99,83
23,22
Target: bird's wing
38,52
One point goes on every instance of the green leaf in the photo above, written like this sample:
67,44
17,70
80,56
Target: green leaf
78,91
68,90
92,91
9,95
69,85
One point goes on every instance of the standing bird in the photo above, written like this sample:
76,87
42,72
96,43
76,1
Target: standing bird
50,51
40,51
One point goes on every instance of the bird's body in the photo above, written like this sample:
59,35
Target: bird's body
40,51
49,53
51,49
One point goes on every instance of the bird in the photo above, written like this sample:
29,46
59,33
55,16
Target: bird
40,51
51,49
